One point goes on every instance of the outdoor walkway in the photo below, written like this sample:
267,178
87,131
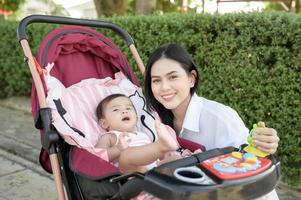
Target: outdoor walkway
21,177
23,180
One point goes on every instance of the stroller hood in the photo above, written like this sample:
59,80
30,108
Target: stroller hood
96,56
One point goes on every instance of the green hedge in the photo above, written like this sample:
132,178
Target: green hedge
250,62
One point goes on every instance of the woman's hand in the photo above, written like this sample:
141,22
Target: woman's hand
266,139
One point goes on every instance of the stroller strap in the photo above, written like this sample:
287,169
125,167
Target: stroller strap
62,111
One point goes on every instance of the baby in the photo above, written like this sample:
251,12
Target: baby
133,150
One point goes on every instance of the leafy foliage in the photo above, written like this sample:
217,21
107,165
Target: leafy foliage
10,5
251,62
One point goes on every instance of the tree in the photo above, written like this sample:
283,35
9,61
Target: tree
10,5
167,6
148,7
183,6
110,8
285,5
145,7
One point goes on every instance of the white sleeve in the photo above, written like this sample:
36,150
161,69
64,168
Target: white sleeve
231,131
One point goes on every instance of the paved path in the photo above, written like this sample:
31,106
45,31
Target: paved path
21,176
18,135
23,180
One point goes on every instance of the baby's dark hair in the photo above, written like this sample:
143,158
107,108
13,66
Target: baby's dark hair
103,103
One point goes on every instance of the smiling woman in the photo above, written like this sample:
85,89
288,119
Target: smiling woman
171,79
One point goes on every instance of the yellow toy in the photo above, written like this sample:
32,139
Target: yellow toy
251,148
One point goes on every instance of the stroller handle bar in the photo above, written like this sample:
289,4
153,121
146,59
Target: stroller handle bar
71,21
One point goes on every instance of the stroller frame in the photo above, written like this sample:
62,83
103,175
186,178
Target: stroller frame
51,138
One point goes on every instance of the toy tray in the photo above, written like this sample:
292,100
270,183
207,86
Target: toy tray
195,178
226,167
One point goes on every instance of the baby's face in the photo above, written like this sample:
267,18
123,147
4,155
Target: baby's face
119,115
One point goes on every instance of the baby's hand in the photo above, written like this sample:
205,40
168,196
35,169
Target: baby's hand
123,141
197,151
187,152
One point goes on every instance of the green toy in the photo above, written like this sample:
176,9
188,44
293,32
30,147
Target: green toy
251,147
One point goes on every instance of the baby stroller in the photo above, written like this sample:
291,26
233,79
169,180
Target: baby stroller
181,179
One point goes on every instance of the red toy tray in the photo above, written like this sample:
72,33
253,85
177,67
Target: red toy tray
232,166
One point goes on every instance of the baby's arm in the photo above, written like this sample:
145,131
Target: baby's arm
170,158
175,155
108,141
136,158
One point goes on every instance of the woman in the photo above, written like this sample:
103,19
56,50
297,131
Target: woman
171,80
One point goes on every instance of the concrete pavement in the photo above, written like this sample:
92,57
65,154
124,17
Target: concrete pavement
22,180
21,176
18,135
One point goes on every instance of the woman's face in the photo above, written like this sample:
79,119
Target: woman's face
171,84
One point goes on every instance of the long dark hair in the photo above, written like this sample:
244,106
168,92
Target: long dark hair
179,54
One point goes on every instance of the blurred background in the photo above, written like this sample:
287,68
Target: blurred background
93,9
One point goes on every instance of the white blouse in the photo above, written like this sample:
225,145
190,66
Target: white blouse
213,124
